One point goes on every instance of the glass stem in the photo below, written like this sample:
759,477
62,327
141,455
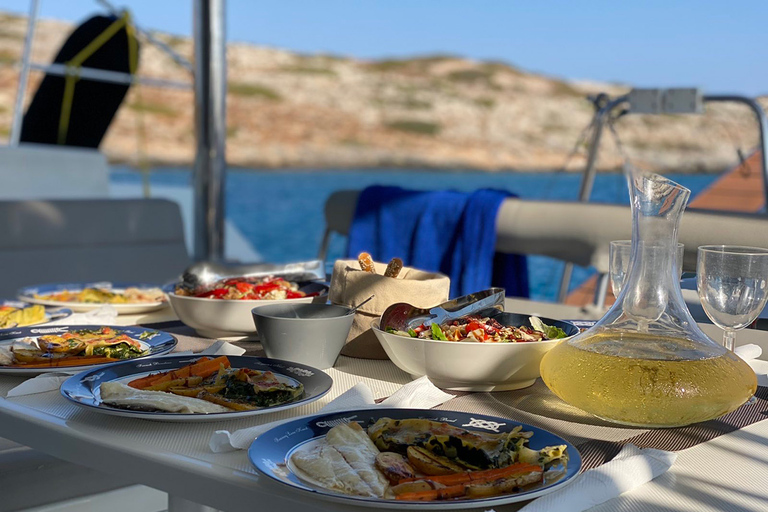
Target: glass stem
728,339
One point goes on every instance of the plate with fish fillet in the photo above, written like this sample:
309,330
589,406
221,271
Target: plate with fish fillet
415,459
34,350
197,388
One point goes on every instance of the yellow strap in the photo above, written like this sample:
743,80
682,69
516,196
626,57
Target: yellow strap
133,49
77,62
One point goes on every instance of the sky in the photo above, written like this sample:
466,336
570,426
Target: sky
717,45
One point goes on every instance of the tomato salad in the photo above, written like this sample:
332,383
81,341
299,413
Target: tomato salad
484,330
240,288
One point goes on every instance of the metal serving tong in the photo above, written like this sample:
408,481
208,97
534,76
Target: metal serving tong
403,316
205,274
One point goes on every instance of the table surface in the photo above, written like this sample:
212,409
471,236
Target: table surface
726,473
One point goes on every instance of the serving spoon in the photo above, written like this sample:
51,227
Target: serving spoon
403,316
207,273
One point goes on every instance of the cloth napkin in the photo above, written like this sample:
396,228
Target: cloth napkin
748,352
441,230
420,393
630,469
52,381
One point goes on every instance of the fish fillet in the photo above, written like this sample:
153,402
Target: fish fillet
327,467
360,453
121,395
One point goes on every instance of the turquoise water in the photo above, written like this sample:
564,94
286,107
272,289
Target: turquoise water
281,212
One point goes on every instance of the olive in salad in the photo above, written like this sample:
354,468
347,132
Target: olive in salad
484,330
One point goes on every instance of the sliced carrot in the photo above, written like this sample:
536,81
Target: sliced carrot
507,471
202,368
181,373
444,493
472,476
206,368
144,382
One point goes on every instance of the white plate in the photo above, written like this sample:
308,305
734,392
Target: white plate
84,389
158,342
270,454
27,294
51,314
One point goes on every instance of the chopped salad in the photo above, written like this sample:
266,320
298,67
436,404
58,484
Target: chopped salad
484,330
241,288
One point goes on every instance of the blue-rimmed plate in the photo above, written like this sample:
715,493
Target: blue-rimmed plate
83,389
51,314
270,454
155,342
31,294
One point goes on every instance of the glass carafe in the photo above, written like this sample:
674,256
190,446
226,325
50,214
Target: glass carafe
646,362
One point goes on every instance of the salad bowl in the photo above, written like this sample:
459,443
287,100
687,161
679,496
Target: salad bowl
469,365
231,318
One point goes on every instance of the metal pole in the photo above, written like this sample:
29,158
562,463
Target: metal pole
604,108
18,111
103,75
762,122
210,127
587,182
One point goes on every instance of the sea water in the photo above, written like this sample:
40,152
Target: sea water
280,212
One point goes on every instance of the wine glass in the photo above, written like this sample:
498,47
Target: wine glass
619,253
733,285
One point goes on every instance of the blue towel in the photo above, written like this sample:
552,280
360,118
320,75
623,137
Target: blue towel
447,231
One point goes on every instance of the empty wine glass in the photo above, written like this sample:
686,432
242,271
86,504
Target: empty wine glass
619,253
733,285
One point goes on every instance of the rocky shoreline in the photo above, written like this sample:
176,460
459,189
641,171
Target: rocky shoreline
288,110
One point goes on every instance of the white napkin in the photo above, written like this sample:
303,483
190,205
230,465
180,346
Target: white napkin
748,352
420,393
104,315
222,348
52,381
40,384
630,469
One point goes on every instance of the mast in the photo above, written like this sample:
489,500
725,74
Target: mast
210,127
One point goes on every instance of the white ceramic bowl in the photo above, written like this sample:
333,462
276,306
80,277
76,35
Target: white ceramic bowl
470,366
218,318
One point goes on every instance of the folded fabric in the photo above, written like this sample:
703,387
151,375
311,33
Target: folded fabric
749,351
440,231
52,381
420,393
630,469
42,383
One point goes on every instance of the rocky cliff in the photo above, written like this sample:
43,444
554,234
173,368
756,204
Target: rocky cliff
292,110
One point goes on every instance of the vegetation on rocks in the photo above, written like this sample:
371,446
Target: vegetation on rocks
443,111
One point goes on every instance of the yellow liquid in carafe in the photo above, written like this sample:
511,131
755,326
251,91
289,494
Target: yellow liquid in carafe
644,391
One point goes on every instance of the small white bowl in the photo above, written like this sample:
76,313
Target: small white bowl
221,318
471,366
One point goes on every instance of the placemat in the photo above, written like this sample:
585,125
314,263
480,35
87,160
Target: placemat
597,440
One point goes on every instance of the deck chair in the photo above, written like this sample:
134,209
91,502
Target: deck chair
139,240
568,231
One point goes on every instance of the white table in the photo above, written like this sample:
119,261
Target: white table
727,473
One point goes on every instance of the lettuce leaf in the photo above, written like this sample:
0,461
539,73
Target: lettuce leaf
437,333
551,332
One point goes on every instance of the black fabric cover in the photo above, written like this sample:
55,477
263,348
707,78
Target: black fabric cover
94,103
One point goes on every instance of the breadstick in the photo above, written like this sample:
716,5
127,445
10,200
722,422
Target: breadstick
394,267
366,262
